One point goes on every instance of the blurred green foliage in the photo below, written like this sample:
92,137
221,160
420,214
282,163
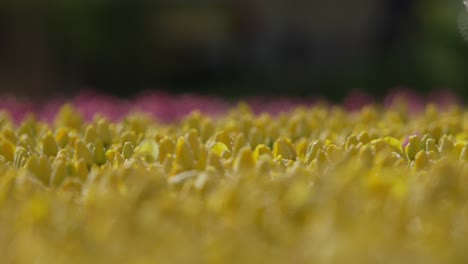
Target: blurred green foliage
440,52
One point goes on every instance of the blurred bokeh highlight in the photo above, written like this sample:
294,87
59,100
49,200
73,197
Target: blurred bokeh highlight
232,48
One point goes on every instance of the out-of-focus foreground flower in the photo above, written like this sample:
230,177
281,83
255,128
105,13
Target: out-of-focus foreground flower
313,184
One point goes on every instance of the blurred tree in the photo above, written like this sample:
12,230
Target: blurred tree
440,50
231,47
26,66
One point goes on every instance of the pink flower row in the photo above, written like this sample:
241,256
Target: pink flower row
167,107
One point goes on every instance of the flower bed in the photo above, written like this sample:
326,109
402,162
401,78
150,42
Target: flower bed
315,184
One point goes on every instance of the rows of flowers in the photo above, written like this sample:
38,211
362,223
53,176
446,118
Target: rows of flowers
93,182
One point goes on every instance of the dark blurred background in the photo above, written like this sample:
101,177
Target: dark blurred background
231,48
